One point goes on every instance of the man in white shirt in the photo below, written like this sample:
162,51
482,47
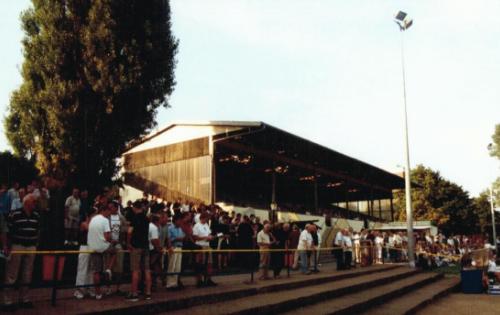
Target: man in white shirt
338,251
492,268
356,240
17,203
264,241
185,207
99,241
305,245
13,193
347,247
197,218
72,217
379,244
398,244
203,235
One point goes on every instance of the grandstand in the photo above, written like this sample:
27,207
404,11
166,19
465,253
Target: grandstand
252,164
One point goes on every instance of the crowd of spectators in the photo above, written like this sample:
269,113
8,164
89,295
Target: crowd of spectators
156,236
152,240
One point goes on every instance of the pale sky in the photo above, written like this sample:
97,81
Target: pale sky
330,71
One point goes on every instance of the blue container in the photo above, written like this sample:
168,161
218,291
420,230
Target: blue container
472,281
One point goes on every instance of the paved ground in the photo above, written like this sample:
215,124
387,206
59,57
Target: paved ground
464,304
67,304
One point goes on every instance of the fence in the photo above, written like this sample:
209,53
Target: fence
368,252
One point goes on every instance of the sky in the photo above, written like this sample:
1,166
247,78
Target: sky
330,71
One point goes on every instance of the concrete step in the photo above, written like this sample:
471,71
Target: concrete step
227,291
416,300
371,299
281,301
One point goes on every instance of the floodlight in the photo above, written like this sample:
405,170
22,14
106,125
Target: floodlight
402,20
400,16
408,23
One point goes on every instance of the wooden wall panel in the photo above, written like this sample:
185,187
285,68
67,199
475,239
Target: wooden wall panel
169,153
186,179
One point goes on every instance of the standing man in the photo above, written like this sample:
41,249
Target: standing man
305,246
3,236
138,245
293,241
347,246
176,237
99,241
5,202
163,230
24,229
264,242
83,274
13,192
315,253
398,244
338,251
114,263
203,235
356,239
17,202
155,249
72,217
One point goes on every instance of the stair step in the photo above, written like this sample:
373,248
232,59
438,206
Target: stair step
417,299
227,291
370,299
275,302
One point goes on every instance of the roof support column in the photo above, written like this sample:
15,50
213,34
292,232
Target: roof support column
392,209
316,208
274,206
347,199
213,171
380,209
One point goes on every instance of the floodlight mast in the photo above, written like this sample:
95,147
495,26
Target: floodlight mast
492,203
401,18
493,223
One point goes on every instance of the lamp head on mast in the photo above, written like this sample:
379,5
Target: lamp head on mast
403,21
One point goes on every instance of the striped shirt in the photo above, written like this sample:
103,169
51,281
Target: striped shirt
24,229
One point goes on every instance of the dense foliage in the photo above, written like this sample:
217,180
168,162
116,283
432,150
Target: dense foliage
94,75
444,203
16,169
495,146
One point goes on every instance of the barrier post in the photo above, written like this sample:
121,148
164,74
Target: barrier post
206,266
54,280
314,252
287,253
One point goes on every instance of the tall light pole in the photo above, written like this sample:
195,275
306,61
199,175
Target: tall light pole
404,23
492,203
493,218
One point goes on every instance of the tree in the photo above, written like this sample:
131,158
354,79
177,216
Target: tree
482,208
436,199
94,75
495,146
16,169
